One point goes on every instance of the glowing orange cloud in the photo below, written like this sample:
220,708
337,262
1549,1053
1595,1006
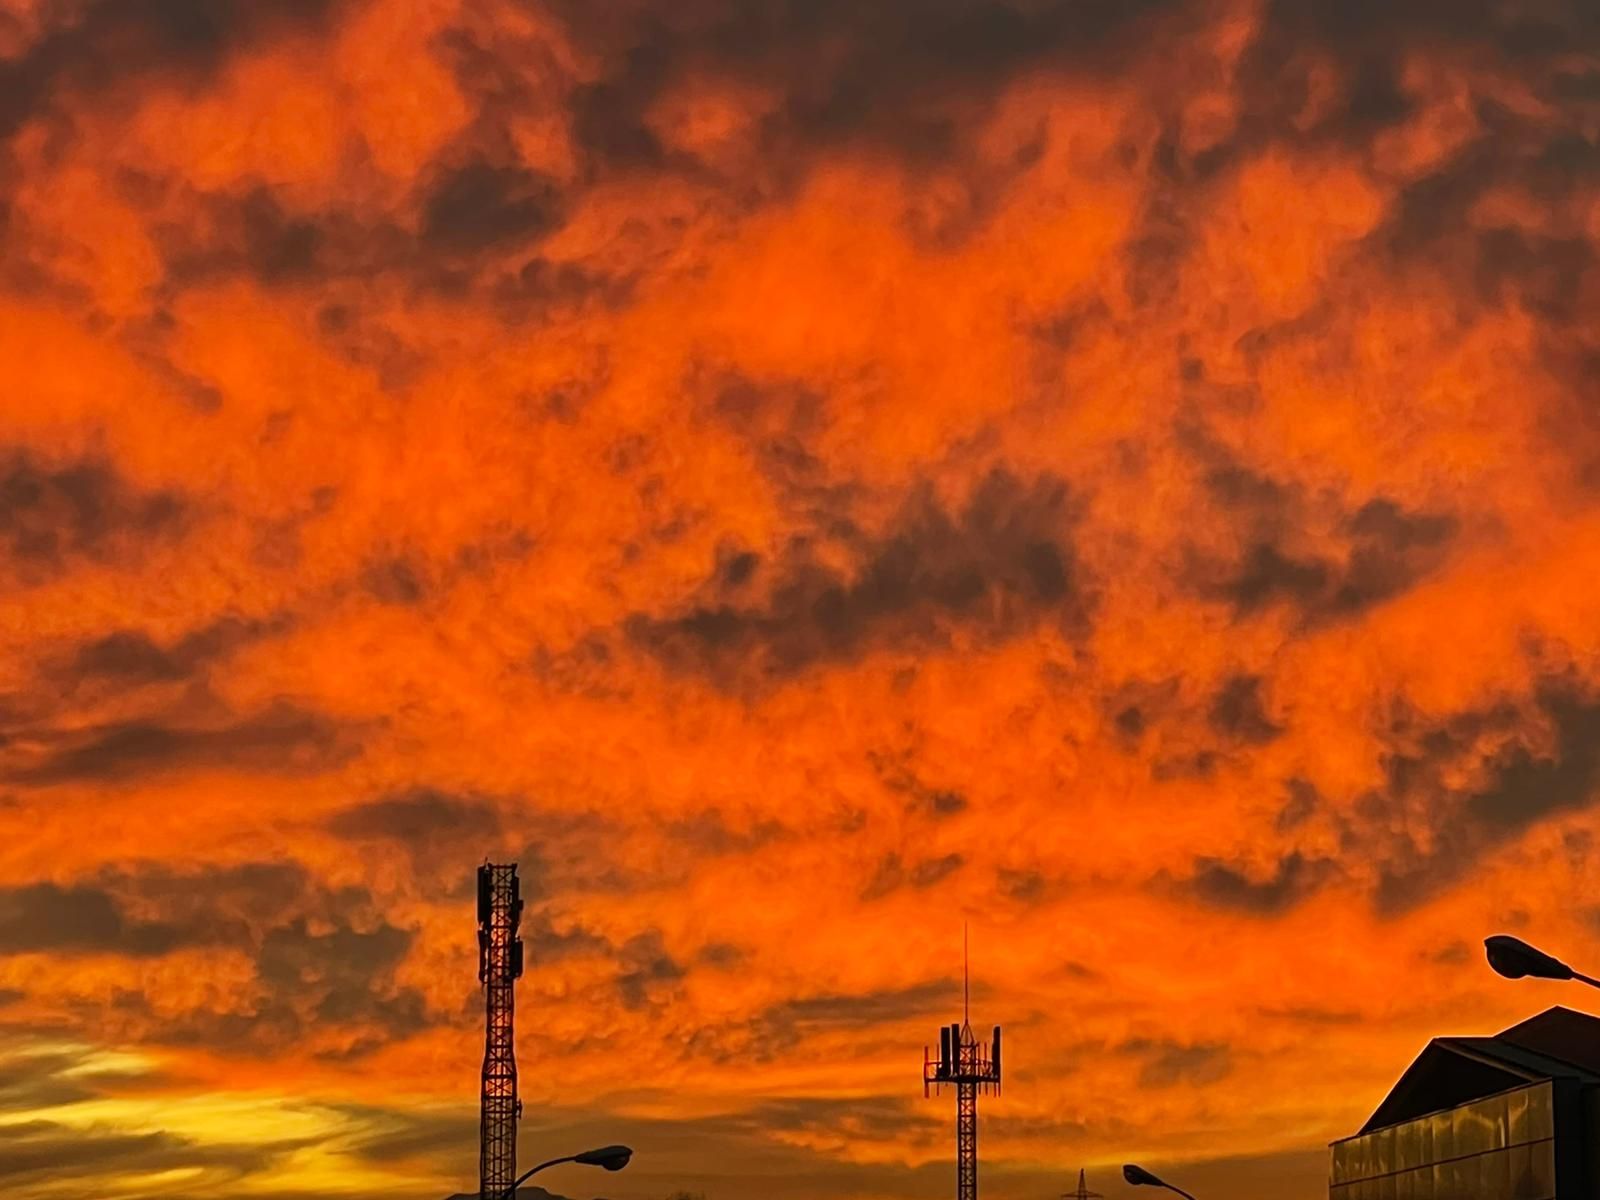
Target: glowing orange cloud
1122,476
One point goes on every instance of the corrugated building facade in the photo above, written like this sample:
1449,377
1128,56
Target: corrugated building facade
1515,1116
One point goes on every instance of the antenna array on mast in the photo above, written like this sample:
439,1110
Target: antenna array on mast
970,1067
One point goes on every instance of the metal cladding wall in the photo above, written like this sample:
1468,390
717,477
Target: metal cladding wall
1521,1144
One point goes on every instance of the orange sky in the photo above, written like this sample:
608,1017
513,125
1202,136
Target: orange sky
795,476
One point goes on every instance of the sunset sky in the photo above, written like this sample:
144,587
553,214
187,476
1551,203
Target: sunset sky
794,475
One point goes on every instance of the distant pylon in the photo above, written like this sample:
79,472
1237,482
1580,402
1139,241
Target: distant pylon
1083,1192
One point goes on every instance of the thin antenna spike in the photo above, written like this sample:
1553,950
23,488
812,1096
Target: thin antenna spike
966,980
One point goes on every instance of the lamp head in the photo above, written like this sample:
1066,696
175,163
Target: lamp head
1515,959
612,1158
1139,1177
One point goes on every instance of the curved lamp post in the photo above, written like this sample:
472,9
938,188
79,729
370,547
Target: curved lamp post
1515,959
612,1158
1139,1177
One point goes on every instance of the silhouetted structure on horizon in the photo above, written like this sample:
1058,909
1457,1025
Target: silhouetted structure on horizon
1083,1192
499,967
971,1068
1515,1116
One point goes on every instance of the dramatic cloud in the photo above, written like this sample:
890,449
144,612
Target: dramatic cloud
46,917
1476,788
801,479
1293,878
998,564
282,738
50,515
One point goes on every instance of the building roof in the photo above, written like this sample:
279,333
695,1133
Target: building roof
1560,1033
1557,1044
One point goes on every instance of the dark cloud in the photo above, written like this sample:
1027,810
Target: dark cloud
104,44
1438,230
708,833
898,775
1025,887
473,232
1383,524
1302,803
1577,85
389,1135
906,76
1452,954
1184,730
1314,1016
30,1082
1505,30
996,566
797,1018
46,917
214,903
777,419
539,285
132,656
1549,276
323,978
257,233
1381,549
1388,551
891,874
1368,44
481,204
721,955
253,234
35,1079
324,959
1135,707
1526,784
1265,573
53,513
930,871
443,835
1237,488
543,942
1237,712
332,1010
1547,272
1528,765
645,963
281,738
869,1118
1224,886
36,1150
1168,1064
420,817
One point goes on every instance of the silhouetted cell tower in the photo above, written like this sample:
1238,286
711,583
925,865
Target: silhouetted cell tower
1083,1192
971,1068
499,967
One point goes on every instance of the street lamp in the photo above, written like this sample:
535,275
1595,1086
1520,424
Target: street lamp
612,1158
1139,1177
1515,959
